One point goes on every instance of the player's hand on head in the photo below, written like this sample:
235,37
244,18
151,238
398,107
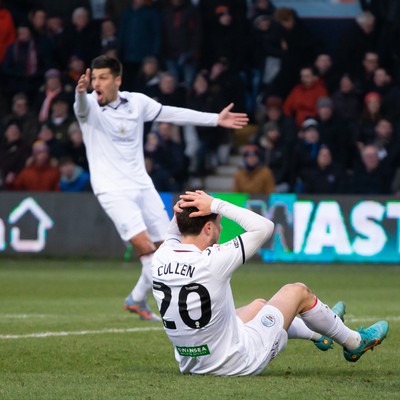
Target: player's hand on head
83,82
228,119
199,199
177,207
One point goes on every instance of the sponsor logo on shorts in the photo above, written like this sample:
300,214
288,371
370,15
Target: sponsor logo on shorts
196,351
268,320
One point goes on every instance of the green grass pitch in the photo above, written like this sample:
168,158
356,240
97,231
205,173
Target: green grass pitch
64,335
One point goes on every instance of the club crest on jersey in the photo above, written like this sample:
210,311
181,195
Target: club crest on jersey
268,320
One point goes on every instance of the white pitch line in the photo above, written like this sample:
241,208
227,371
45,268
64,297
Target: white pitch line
76,333
129,330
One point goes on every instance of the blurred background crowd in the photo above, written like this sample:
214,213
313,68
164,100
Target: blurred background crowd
323,121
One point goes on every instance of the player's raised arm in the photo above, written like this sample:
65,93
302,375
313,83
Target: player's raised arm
228,119
258,228
81,105
83,82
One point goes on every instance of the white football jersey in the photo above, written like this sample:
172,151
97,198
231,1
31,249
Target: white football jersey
113,136
193,293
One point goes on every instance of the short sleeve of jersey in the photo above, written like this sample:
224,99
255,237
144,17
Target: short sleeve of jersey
149,107
227,257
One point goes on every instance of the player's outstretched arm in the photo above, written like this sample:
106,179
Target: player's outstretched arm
228,119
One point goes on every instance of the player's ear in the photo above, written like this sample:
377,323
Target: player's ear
118,80
207,228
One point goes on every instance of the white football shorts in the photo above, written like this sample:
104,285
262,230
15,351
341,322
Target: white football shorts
264,338
136,211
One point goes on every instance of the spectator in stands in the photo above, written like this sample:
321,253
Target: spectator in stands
23,64
272,111
334,132
324,66
201,98
7,29
253,177
168,91
370,176
108,36
73,178
148,77
115,9
56,35
223,31
60,117
302,100
265,52
365,77
75,148
55,147
139,36
51,88
24,116
387,144
325,177
346,100
161,178
300,49
169,154
82,37
276,155
40,174
260,7
75,69
305,153
372,113
14,152
359,38
181,39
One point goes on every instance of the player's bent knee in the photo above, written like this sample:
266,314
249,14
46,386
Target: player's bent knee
259,303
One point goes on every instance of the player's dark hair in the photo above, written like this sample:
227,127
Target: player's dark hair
192,225
105,61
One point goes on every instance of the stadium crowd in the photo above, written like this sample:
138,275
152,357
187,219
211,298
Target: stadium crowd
326,123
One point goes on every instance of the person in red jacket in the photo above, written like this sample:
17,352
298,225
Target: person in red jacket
7,29
302,100
40,174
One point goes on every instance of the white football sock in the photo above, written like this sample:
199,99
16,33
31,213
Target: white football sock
323,320
145,282
299,330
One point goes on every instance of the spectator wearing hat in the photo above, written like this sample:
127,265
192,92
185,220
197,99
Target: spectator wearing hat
51,88
73,178
276,155
305,153
253,177
334,132
371,114
55,33
40,174
14,152
325,177
302,100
